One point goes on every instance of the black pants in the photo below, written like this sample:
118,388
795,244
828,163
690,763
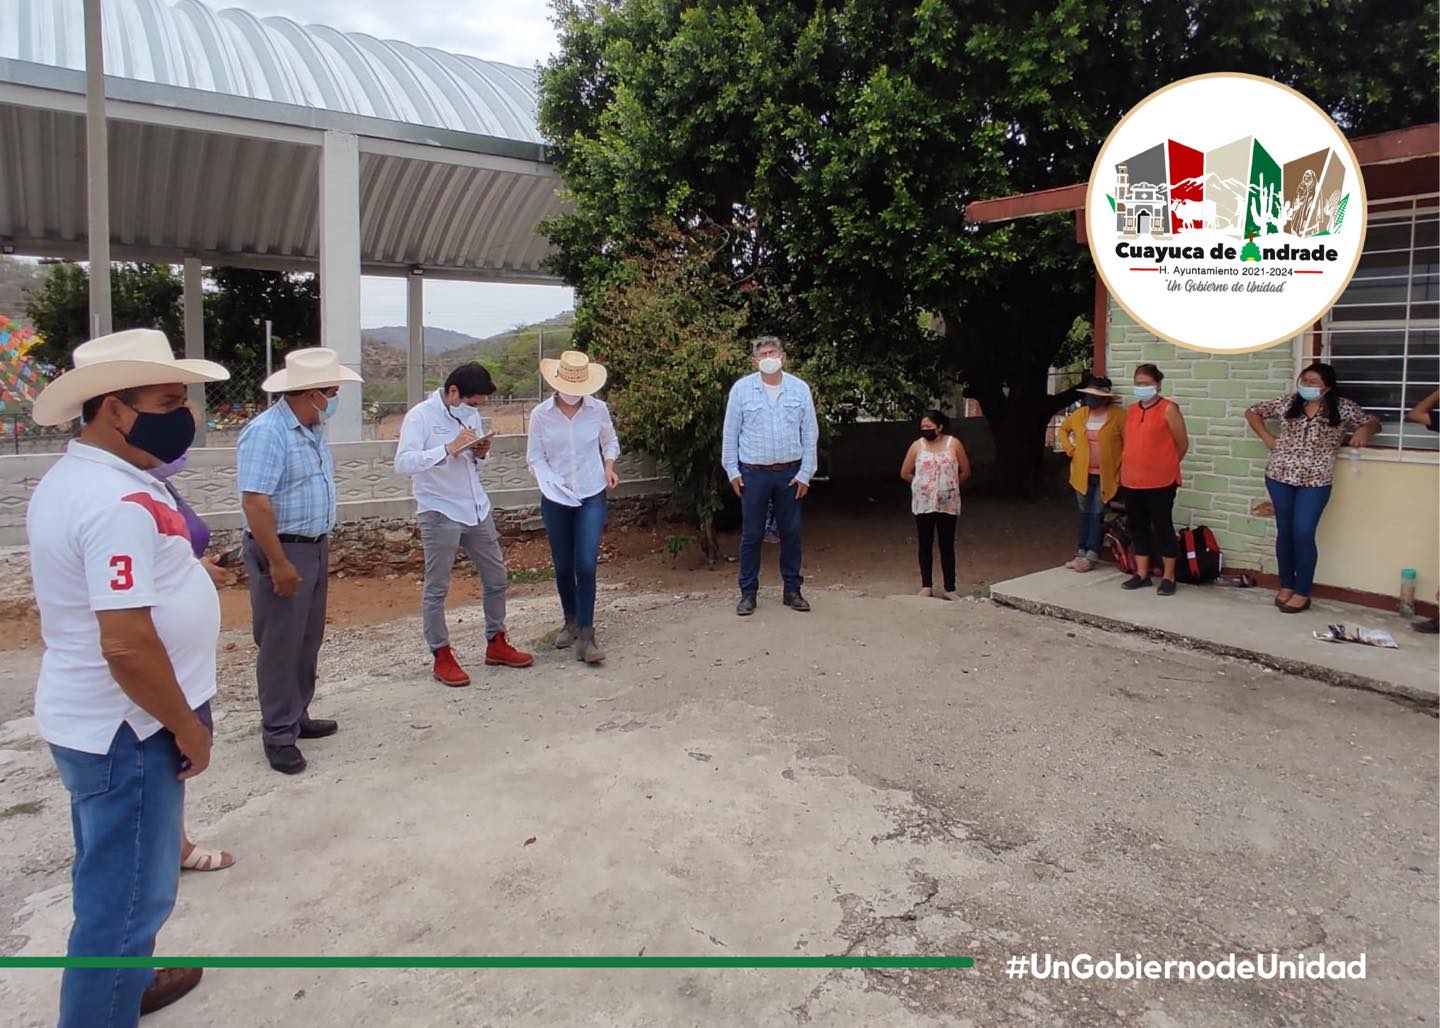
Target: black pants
1149,512
928,526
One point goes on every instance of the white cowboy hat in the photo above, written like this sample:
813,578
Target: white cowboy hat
573,374
123,360
316,367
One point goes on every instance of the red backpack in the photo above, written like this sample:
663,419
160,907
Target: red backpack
1201,559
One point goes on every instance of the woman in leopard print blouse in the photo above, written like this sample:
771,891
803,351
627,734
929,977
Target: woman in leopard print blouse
1314,421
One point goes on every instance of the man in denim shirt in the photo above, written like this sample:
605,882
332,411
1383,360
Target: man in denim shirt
286,478
769,455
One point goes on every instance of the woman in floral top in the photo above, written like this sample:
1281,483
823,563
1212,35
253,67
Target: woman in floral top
936,466
1314,421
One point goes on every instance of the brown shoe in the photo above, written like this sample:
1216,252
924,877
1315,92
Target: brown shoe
587,650
171,983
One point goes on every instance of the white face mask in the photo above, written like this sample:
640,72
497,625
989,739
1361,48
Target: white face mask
769,365
567,399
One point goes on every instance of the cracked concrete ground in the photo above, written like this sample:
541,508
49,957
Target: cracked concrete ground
887,775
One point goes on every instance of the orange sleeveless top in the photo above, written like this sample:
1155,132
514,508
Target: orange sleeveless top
1150,460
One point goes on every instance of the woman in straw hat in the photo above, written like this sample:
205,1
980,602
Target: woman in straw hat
571,453
1092,437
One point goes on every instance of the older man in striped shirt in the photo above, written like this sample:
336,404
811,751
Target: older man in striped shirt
769,455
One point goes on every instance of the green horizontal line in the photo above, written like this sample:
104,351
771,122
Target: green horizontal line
583,963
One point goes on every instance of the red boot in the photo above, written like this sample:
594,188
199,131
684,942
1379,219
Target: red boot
448,670
502,653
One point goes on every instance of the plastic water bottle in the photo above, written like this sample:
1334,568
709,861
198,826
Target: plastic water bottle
1407,593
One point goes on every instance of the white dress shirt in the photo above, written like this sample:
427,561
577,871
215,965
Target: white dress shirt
442,483
567,455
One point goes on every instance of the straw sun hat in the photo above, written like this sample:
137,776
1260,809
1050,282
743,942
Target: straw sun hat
316,367
122,360
573,374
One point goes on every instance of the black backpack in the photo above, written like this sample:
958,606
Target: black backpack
1200,558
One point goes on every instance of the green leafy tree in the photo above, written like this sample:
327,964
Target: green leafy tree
141,296
669,332
237,302
838,143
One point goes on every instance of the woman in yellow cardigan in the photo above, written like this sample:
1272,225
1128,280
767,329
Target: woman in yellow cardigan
1093,436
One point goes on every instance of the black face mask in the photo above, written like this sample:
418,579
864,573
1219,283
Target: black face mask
1095,402
164,436
929,434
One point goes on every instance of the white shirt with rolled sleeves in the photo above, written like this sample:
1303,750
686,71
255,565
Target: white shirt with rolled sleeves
105,535
571,452
760,432
449,485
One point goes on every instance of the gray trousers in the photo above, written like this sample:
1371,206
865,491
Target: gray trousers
441,538
288,631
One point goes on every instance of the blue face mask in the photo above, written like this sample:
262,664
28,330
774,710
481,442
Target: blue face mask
332,404
1310,393
1145,392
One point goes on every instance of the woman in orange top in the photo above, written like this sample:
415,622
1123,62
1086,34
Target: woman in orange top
1155,444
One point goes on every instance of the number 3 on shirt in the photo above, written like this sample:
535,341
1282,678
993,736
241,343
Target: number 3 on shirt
124,569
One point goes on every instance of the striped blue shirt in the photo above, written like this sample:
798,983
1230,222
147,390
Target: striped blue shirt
760,432
291,464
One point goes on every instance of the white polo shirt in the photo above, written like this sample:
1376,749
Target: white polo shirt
105,535
449,485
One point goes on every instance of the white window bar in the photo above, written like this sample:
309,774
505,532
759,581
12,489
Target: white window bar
1387,352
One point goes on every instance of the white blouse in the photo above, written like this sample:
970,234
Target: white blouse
567,455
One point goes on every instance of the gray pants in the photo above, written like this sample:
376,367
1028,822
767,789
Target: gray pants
288,631
441,537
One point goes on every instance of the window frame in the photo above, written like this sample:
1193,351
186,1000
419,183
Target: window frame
1400,447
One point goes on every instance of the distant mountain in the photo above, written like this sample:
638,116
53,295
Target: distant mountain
558,328
437,340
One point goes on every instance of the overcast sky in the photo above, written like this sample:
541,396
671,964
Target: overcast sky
514,31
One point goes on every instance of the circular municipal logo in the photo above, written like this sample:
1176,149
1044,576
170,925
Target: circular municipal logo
1226,213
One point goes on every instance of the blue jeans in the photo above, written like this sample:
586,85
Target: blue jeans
762,487
1297,515
575,551
126,809
1091,509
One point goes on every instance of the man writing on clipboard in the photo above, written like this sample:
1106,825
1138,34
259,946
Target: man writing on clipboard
442,447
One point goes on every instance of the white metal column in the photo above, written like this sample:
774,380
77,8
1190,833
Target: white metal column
97,172
415,322
195,337
340,269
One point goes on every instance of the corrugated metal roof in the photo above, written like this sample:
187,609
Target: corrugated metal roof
189,45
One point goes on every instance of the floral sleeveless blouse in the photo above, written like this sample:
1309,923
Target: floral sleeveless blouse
936,486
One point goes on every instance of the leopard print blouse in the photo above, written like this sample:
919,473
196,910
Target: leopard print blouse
1305,449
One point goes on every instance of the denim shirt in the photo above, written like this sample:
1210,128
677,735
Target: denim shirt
759,432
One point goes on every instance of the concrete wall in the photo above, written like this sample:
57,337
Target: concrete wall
365,476
1384,513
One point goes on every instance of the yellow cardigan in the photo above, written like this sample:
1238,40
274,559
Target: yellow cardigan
1077,446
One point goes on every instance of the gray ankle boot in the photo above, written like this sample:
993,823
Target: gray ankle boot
566,637
587,650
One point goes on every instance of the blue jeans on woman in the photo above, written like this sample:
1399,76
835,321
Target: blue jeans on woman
1297,515
575,551
126,810
1091,509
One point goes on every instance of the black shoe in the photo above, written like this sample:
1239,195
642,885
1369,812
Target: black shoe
1430,627
797,602
1166,587
1135,582
746,606
318,729
288,760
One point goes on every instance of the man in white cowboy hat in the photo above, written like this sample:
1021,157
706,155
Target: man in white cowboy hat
442,448
130,620
572,452
769,452
286,479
